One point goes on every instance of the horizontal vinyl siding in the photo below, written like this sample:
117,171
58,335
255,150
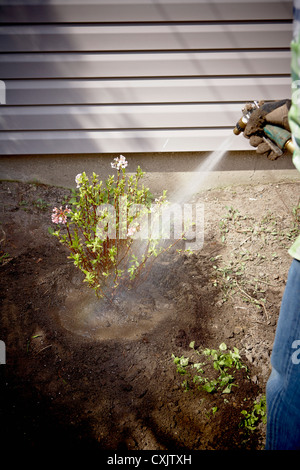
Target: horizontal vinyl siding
119,11
130,64
144,38
118,117
148,90
137,76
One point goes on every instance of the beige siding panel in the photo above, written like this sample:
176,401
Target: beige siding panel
168,90
106,76
104,11
147,37
144,64
83,142
119,117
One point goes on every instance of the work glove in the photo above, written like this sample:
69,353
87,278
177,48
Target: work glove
275,113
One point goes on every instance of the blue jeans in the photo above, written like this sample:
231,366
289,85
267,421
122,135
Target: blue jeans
283,387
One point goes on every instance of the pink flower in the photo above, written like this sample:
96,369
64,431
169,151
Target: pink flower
119,162
59,216
131,231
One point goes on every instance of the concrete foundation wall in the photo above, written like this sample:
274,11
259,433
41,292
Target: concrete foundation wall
168,171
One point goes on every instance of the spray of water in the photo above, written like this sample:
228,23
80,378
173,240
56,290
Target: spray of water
195,181
189,218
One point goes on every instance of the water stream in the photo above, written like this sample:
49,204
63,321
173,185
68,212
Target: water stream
195,181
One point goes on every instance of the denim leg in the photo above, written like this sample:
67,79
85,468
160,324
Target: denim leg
283,387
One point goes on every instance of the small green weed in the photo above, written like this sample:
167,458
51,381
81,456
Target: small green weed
229,219
296,215
3,257
269,227
24,205
40,204
255,416
224,361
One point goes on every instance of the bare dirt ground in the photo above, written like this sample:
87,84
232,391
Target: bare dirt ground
77,379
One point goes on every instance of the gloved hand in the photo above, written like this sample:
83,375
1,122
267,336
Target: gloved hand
275,113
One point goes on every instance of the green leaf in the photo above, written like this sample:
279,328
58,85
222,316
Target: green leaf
184,361
209,387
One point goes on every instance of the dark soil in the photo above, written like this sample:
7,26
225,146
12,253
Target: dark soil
79,379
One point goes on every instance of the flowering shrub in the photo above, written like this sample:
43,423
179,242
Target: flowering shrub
107,229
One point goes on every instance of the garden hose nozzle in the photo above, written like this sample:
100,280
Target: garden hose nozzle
242,122
279,139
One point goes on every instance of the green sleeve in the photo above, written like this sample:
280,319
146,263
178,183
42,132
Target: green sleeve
294,121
